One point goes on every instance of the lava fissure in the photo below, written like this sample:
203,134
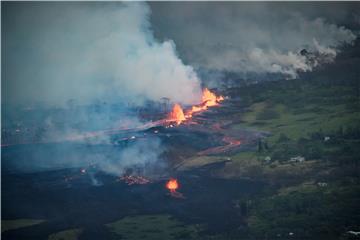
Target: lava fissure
209,99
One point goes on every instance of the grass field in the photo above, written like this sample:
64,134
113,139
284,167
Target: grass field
299,123
71,234
18,223
199,161
307,211
148,227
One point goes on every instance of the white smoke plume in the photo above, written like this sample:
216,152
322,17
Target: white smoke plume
80,60
54,52
256,37
140,155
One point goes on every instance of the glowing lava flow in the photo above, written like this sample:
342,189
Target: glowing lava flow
208,99
177,114
172,185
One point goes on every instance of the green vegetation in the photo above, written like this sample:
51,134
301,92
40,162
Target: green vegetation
71,234
307,212
18,223
299,123
244,164
200,161
317,119
153,227
252,165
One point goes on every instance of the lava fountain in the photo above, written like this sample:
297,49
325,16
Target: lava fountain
208,99
172,185
177,114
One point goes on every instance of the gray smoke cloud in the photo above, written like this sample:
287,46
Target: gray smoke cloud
113,159
54,52
140,155
255,37
73,68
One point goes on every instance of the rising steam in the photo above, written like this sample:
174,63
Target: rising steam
90,51
84,64
257,37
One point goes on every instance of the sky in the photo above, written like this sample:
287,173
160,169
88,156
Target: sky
56,51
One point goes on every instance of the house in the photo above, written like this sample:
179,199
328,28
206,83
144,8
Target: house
322,184
297,159
267,159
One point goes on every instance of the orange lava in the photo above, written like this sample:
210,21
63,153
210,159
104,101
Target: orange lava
208,99
177,114
172,185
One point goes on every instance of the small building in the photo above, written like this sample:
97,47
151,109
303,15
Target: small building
267,159
297,159
322,184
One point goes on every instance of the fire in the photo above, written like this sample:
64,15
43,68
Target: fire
177,114
208,99
172,185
